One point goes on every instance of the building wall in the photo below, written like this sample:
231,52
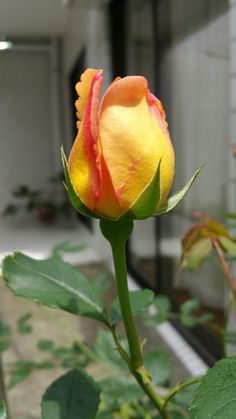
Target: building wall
196,91
26,151
232,108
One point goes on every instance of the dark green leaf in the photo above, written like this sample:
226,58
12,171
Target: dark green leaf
5,329
105,414
74,395
4,344
53,283
189,306
74,362
21,191
158,364
162,303
177,197
155,319
19,375
188,320
10,209
23,325
5,336
207,317
215,396
62,351
44,365
100,283
3,410
45,344
120,389
25,328
140,301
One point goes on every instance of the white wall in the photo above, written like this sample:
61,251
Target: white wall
26,151
195,72
196,91
232,109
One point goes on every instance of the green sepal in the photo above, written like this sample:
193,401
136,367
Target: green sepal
74,198
174,200
147,202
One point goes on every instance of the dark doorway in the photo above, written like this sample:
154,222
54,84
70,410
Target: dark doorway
78,69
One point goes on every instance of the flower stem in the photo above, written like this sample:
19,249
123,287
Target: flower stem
226,270
117,233
179,387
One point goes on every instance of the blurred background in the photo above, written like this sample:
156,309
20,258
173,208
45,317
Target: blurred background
187,51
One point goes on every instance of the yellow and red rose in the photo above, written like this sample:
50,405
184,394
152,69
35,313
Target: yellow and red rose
122,149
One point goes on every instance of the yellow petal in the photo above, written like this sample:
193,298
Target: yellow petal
83,88
132,139
107,203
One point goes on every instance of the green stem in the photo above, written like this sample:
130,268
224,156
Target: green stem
118,250
179,387
117,233
120,348
153,396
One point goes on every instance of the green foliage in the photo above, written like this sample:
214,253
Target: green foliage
5,329
3,410
100,283
215,396
187,312
53,283
228,245
74,395
47,205
158,364
200,240
23,325
45,345
140,301
21,370
197,254
5,336
163,306
118,389
105,349
67,247
187,316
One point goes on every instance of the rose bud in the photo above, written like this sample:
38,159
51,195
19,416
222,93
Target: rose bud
122,161
120,144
